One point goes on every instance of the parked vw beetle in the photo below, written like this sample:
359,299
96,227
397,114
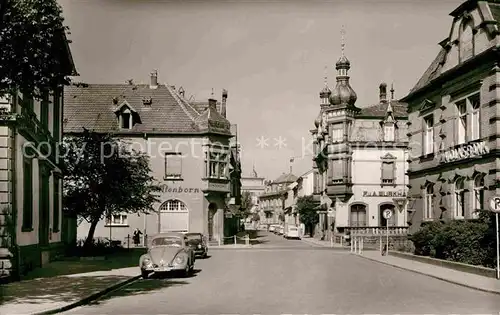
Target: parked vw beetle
167,252
198,244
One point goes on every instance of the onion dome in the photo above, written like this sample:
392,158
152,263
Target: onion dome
343,94
325,92
343,62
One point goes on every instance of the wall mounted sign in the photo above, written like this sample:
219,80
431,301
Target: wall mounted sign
398,193
465,151
166,189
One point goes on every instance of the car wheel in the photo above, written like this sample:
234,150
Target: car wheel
144,274
187,270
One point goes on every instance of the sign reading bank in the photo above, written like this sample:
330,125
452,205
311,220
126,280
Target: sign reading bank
166,189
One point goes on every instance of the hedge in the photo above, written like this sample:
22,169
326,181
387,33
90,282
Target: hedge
466,241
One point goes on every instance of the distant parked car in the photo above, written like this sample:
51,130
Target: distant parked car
167,252
281,230
292,232
272,228
198,244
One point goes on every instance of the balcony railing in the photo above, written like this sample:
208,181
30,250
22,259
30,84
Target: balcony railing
377,230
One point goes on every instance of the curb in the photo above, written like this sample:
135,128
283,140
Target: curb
89,298
432,276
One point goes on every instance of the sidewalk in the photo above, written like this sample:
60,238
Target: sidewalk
314,241
465,279
46,295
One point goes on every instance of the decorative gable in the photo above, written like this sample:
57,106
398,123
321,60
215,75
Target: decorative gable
388,156
426,105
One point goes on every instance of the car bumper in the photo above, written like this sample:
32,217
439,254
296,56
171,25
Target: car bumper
160,269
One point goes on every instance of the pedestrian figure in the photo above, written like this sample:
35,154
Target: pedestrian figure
137,237
384,250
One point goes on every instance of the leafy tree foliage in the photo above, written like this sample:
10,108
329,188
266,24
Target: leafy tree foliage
246,203
307,214
30,36
103,176
471,242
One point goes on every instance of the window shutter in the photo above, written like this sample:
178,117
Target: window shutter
337,169
424,144
173,165
387,170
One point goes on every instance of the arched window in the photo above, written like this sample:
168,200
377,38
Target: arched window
460,198
173,205
478,195
358,216
428,201
466,41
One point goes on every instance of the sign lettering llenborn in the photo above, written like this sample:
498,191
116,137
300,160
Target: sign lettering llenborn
464,152
166,189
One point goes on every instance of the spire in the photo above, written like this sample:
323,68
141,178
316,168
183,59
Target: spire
254,172
325,92
342,40
326,76
392,91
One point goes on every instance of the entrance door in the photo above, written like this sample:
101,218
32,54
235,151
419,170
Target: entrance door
212,209
44,204
174,216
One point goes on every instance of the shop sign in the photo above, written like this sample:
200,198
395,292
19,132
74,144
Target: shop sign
180,190
398,193
465,151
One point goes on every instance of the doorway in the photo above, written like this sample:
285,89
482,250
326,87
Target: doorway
212,209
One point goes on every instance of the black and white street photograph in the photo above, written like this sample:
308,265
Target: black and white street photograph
265,157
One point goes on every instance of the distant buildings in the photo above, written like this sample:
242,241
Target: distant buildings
303,186
271,202
360,160
255,186
454,122
30,174
189,148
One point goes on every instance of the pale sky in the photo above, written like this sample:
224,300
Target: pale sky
269,55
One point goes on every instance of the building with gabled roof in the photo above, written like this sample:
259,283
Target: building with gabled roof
453,120
271,201
359,160
189,148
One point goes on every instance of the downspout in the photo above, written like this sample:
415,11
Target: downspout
13,164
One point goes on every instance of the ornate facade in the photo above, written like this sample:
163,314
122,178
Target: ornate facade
359,159
454,120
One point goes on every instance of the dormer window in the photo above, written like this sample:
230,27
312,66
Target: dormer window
126,119
466,39
389,132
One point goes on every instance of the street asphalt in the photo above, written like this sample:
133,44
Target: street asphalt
292,277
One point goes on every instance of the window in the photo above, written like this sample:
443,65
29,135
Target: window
460,198
428,135
388,169
478,195
337,133
462,122
56,192
389,132
173,165
126,119
337,171
475,121
217,163
428,198
466,41
358,216
117,220
27,194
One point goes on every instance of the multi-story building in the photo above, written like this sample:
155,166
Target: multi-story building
303,186
271,202
453,120
30,172
359,159
254,185
188,146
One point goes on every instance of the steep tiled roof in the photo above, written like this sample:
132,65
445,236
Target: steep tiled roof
285,178
399,110
93,106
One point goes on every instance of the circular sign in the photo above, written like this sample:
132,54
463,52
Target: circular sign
387,214
494,204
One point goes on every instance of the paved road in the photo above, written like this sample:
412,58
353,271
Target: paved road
302,279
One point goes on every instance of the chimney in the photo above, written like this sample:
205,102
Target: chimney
383,92
223,103
154,80
212,103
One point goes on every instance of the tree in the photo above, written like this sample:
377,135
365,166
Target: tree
246,203
102,177
30,36
307,214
